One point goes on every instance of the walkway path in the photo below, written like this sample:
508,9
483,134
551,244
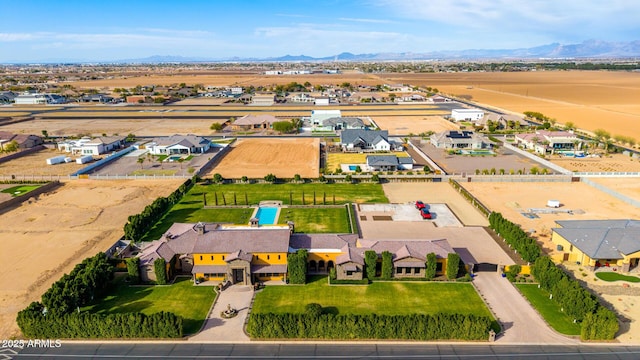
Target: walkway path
520,322
227,330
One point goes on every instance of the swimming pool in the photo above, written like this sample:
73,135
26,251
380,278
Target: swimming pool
174,158
266,215
477,152
353,167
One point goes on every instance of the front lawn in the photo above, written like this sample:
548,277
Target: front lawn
549,309
317,220
20,190
182,298
614,276
383,298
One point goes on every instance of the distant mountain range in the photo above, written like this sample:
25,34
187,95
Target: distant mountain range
595,49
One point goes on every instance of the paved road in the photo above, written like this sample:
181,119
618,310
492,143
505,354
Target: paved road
521,323
292,350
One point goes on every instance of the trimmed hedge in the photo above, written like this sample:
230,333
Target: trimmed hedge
370,260
431,266
297,267
525,245
598,322
91,326
371,326
387,265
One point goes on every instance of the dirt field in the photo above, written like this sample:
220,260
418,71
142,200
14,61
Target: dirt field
404,125
36,164
626,186
614,162
47,237
256,158
436,193
511,199
97,127
585,98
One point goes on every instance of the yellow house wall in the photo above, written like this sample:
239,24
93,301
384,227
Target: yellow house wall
205,259
323,256
627,258
269,259
575,254
524,269
444,267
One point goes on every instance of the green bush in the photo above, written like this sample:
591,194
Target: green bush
371,326
525,245
313,309
370,260
387,265
297,267
133,269
160,269
453,265
431,266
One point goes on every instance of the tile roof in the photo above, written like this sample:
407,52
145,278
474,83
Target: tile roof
349,136
189,140
602,239
209,269
239,255
263,269
350,121
350,254
409,248
249,240
155,250
382,160
255,119
321,241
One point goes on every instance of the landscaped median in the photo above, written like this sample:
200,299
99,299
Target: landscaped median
381,310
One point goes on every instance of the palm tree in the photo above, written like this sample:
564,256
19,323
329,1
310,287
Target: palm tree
141,161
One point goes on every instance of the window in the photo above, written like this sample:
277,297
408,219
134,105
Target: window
222,257
349,273
416,270
211,257
571,248
268,257
278,257
257,257
200,257
398,270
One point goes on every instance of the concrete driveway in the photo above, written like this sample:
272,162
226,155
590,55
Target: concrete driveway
520,322
217,329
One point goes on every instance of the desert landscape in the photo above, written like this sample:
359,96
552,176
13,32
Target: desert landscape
609,163
36,164
46,236
404,125
256,158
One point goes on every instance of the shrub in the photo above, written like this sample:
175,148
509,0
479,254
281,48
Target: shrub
453,265
133,269
387,265
313,310
431,266
297,267
270,178
160,269
370,259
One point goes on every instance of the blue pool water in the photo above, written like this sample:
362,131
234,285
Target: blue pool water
353,167
266,215
174,158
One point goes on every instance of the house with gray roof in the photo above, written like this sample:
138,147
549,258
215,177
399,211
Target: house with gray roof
357,140
455,139
389,163
594,244
179,144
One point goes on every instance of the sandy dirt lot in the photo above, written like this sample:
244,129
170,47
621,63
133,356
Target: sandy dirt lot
36,164
47,237
582,97
282,157
436,193
97,127
626,186
511,199
613,162
404,125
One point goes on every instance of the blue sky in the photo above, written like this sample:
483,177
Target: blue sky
70,30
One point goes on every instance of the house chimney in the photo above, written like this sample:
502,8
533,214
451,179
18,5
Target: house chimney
199,228
292,226
254,222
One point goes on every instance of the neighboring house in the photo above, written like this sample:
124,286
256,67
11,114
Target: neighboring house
89,146
500,121
319,116
355,140
250,122
24,141
549,142
7,97
438,99
179,144
244,254
454,139
321,101
389,163
263,99
599,243
39,99
301,98
467,114
413,97
97,98
341,123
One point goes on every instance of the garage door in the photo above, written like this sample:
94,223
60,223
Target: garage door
486,267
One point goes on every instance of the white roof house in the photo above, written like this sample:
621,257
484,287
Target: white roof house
89,146
467,114
353,139
454,139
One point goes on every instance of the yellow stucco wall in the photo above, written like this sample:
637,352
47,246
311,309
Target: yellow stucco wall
269,259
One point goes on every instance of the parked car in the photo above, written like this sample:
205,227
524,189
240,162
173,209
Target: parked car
420,205
425,213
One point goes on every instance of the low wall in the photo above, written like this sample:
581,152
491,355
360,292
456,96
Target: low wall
431,163
537,159
6,205
519,178
611,192
21,153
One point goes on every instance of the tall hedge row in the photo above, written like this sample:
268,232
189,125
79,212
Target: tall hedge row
138,225
370,326
431,266
597,322
370,260
297,267
88,325
387,265
525,245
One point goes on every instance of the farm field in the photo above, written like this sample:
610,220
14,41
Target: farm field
405,125
148,300
45,238
586,98
97,127
511,199
284,158
417,298
36,164
626,186
612,162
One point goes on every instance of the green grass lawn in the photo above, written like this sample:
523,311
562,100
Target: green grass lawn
548,309
316,220
182,298
193,213
613,276
344,193
384,298
20,190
